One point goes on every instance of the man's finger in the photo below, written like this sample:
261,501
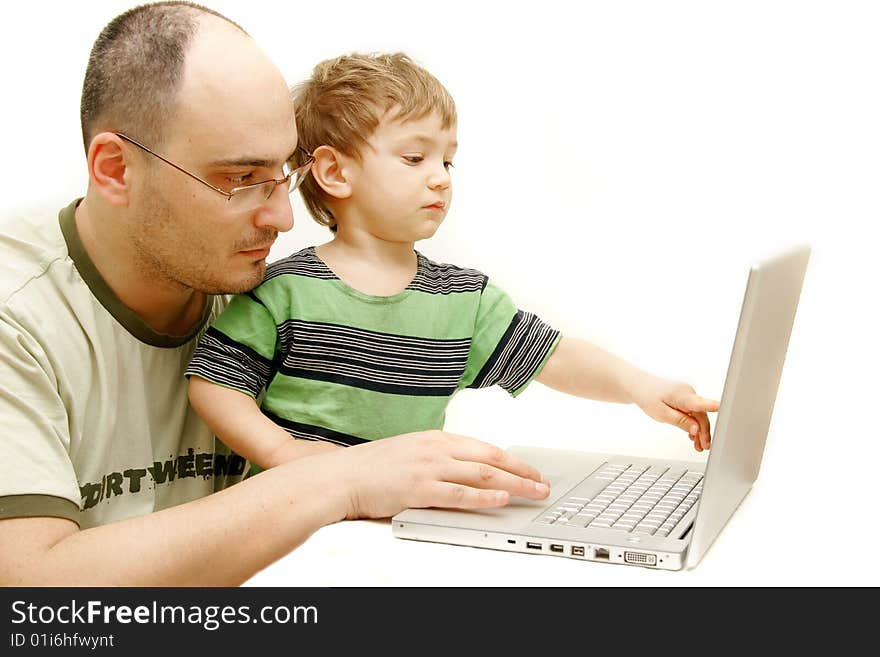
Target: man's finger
465,448
481,475
458,496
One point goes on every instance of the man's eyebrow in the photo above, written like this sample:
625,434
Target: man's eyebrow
249,161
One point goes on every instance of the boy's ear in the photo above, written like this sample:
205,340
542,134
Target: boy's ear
109,168
329,171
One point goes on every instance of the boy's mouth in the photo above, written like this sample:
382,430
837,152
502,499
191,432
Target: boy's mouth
439,205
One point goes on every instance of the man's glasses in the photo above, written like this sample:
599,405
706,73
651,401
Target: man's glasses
247,197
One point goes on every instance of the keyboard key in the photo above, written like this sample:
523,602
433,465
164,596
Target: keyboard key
639,499
581,520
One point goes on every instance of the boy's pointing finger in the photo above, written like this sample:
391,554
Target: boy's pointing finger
697,404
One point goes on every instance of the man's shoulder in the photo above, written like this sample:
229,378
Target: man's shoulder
30,243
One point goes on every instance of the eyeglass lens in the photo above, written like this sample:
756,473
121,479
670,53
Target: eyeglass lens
256,195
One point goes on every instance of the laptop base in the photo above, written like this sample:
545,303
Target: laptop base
525,544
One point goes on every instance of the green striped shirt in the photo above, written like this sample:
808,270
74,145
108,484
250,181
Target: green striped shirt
347,367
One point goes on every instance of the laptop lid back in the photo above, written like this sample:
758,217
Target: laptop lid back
762,336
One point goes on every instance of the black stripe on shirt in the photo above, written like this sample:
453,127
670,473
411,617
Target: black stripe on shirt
519,353
304,431
347,379
384,362
440,278
302,263
220,359
431,277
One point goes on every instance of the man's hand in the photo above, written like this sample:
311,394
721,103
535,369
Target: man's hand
675,403
431,468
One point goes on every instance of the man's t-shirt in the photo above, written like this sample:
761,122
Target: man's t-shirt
332,363
95,424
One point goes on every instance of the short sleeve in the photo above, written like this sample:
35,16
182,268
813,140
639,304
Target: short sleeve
37,477
237,350
509,346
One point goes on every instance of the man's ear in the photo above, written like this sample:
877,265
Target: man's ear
329,171
109,164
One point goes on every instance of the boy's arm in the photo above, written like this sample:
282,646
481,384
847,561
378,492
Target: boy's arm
235,418
580,368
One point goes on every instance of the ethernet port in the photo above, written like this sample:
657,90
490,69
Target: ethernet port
600,553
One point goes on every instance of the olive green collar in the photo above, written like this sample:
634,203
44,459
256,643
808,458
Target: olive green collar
102,292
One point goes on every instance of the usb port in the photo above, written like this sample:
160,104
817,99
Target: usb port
555,547
533,546
577,550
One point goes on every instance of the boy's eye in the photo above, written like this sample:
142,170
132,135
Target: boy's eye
413,159
448,165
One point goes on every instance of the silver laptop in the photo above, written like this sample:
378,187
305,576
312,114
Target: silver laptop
639,511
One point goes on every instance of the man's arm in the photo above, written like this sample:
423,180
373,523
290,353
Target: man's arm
225,538
580,368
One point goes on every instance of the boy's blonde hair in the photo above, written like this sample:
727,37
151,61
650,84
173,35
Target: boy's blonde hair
344,100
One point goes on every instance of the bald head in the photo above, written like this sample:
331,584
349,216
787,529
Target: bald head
230,92
137,65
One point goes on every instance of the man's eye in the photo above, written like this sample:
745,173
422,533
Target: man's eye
413,159
239,180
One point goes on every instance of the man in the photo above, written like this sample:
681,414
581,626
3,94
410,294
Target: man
106,475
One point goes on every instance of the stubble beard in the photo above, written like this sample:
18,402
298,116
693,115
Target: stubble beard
168,254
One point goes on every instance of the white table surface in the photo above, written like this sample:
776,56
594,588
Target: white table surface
755,549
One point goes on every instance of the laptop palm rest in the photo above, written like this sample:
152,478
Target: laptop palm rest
562,469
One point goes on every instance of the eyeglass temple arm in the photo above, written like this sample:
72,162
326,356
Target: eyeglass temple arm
181,169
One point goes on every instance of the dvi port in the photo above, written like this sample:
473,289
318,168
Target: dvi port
640,558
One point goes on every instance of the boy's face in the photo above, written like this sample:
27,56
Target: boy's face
401,189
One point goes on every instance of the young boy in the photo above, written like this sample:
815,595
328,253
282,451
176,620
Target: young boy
363,337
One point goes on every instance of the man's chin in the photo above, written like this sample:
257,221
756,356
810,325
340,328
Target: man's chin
245,281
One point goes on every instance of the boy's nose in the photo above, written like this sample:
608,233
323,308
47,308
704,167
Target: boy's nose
440,179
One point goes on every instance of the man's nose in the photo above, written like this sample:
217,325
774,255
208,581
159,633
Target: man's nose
276,212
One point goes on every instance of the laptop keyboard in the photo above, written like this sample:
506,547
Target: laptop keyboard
639,499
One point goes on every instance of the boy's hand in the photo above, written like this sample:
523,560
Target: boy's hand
675,403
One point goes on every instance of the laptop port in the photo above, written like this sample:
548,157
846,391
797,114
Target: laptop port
555,547
533,546
577,550
640,558
601,553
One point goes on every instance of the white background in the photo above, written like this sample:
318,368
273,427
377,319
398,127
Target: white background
620,166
